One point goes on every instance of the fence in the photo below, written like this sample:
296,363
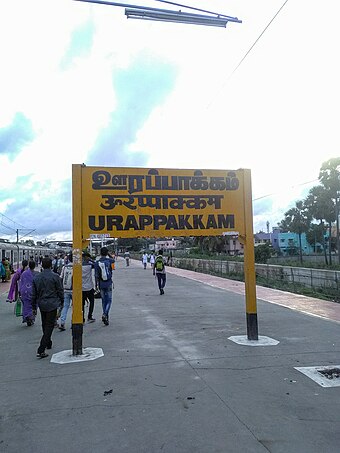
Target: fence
323,282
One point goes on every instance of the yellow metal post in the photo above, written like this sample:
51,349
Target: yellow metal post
77,312
249,260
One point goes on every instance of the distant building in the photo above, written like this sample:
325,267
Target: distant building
285,243
167,244
233,246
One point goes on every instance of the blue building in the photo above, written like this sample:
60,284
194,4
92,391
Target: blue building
285,243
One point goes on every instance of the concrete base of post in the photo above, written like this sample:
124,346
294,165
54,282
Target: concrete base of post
252,329
77,339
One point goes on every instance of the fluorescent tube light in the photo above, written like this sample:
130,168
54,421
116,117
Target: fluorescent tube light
177,16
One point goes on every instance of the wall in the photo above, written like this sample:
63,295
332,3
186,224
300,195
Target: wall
311,278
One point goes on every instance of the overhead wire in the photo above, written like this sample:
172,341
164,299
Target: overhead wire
191,8
290,187
247,53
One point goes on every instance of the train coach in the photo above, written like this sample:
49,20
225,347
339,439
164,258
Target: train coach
15,253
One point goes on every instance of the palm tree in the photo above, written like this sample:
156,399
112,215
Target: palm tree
329,177
321,207
297,220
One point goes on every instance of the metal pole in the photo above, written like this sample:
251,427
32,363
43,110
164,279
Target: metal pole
249,260
77,312
18,257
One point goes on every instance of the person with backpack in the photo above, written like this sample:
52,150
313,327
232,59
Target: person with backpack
66,277
103,277
159,271
57,264
48,295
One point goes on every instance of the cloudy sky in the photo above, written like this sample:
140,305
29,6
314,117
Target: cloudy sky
81,83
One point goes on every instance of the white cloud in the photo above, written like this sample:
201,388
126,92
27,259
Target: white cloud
276,115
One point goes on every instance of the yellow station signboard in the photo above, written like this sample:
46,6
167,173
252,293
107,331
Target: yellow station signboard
150,202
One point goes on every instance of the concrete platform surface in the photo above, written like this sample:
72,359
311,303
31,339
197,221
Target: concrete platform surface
170,379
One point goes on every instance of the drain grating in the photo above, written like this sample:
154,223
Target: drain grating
333,373
326,376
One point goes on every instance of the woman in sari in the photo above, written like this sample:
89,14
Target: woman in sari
25,288
14,288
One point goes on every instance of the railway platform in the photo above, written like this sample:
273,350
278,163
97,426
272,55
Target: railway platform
171,379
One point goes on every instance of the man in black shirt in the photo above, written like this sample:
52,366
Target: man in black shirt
48,294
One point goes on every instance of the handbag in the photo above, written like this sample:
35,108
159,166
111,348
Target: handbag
18,307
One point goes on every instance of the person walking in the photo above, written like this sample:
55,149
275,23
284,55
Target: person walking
14,288
7,267
88,286
103,277
152,259
159,271
66,277
145,259
127,258
48,295
2,272
26,289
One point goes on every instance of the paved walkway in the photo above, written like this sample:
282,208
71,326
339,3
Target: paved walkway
304,304
171,380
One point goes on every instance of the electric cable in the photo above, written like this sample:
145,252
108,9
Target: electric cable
247,53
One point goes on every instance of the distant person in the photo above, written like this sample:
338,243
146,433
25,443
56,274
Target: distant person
7,267
57,264
66,277
88,286
145,259
26,290
103,277
152,259
127,258
14,288
2,272
48,295
159,271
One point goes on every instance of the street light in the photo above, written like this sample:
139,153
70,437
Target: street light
164,15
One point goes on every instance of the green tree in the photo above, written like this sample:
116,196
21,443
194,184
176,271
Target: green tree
134,244
321,208
316,235
297,220
29,242
262,253
329,177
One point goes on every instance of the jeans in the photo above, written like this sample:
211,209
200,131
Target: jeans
106,294
47,320
67,303
161,280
